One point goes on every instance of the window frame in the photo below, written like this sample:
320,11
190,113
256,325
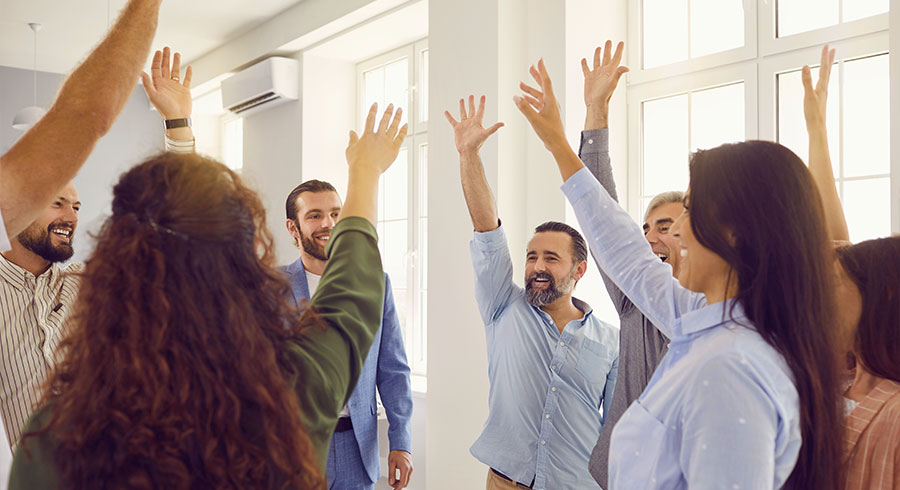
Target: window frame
767,56
415,337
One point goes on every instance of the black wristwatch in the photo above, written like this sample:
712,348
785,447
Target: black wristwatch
184,122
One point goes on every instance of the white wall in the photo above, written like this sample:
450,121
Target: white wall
136,134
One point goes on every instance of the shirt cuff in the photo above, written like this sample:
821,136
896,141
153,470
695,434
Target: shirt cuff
490,240
594,141
179,146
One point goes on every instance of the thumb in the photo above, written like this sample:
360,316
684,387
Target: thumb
354,138
147,82
392,472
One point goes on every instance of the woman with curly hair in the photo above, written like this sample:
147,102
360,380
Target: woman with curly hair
187,366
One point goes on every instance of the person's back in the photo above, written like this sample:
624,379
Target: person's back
187,367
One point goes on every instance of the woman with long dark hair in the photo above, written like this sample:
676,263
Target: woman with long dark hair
746,397
187,366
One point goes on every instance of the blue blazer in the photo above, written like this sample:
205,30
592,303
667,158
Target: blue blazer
385,368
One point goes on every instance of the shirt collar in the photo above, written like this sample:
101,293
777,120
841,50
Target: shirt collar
868,408
17,275
712,316
581,305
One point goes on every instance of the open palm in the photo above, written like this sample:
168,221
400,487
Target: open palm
469,132
166,90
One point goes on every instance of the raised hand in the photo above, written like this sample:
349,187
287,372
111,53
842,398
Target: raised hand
167,91
600,83
541,108
815,98
377,148
469,132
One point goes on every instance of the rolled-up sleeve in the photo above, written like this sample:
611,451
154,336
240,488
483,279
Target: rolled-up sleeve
494,287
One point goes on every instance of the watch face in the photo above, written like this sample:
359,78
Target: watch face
178,123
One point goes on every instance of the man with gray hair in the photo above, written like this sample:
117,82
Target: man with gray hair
641,345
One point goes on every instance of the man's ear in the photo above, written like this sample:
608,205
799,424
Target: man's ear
580,270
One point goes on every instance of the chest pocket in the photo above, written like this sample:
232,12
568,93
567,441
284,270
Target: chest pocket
637,441
594,361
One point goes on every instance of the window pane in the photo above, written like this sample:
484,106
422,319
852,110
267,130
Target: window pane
423,88
423,180
665,161
396,86
867,120
795,16
858,9
867,206
716,25
420,352
396,189
374,92
665,32
402,307
791,123
717,116
423,253
394,250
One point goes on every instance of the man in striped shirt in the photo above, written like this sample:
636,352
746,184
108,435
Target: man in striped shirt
36,295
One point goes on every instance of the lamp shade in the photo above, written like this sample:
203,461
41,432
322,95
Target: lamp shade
28,117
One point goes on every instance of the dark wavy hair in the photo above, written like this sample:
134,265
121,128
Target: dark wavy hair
874,267
779,252
173,376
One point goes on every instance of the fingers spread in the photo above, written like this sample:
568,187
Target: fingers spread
462,110
535,74
493,129
187,76
472,112
453,122
156,64
401,135
531,90
607,52
538,105
148,85
584,68
353,137
480,112
524,107
164,68
386,118
806,78
370,119
598,60
545,77
392,131
617,58
176,65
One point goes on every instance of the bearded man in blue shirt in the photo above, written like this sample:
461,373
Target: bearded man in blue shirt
551,363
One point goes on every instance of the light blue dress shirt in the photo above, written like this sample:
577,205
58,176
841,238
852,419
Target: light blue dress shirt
546,388
721,411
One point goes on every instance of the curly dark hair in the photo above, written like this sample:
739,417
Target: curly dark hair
174,374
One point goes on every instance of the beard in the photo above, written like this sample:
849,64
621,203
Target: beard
39,242
311,247
553,291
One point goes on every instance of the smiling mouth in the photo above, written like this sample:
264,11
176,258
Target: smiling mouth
64,233
663,257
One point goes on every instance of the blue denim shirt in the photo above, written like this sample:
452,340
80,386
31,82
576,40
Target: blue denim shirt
546,387
721,411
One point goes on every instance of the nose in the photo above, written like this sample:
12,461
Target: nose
71,215
540,265
676,226
329,222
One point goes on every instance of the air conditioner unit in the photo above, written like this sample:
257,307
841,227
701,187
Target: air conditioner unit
269,83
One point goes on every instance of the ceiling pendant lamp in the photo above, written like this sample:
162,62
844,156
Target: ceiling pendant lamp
29,116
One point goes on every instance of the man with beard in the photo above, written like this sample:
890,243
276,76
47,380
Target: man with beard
552,363
312,209
37,295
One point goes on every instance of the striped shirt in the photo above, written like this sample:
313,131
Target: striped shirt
872,439
32,310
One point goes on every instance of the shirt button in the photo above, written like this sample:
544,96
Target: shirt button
590,141
562,343
553,388
543,443
553,367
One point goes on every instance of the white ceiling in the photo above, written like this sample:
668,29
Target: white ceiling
73,27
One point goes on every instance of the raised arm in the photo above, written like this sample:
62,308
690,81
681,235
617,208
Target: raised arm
469,134
50,154
616,242
814,104
171,96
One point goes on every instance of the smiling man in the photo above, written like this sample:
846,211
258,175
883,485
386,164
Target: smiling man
37,295
551,362
312,210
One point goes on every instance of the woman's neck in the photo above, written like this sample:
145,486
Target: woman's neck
863,383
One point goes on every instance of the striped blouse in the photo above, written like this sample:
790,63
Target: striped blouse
32,311
872,439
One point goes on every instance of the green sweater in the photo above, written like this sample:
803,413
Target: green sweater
350,298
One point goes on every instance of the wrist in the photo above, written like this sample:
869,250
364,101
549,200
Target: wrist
596,116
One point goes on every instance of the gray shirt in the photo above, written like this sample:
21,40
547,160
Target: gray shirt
641,345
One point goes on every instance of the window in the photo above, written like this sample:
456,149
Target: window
400,77
753,90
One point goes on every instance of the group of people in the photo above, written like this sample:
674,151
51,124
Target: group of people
757,348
